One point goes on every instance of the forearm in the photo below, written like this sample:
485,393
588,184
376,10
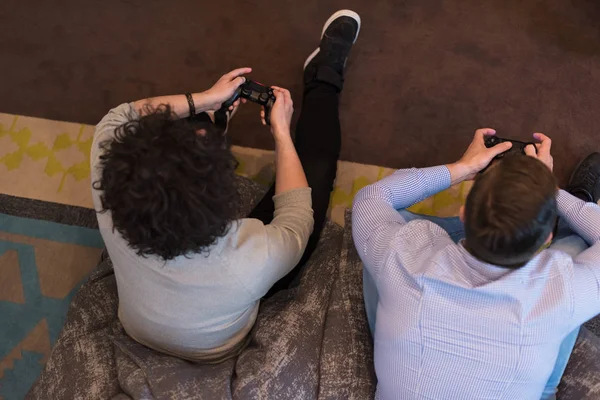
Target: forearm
179,104
582,217
286,237
408,186
291,226
459,173
289,173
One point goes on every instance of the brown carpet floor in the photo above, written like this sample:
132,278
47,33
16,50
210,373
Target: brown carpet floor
424,74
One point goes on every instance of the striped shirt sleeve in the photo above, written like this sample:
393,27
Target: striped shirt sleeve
584,220
375,219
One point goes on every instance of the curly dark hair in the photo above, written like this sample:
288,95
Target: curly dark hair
169,184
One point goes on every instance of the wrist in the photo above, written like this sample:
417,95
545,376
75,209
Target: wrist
201,101
459,172
281,134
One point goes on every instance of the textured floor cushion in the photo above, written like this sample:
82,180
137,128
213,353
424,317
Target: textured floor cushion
308,342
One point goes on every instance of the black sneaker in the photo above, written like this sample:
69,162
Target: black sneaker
338,36
585,181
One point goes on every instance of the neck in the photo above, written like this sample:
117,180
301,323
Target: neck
508,266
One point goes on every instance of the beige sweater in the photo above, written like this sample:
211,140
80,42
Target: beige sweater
202,308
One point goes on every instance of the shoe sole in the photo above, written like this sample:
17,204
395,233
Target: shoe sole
336,15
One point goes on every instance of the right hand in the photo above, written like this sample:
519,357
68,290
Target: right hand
281,113
543,150
476,157
223,90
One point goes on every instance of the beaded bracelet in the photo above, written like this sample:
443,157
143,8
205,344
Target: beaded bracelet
190,101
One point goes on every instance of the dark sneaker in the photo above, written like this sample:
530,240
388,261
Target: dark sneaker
338,36
585,181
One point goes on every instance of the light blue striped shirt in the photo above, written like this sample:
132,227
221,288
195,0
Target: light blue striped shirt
452,327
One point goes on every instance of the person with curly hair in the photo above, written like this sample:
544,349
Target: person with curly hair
190,273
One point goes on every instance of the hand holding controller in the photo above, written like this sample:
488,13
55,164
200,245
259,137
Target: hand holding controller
256,93
541,150
518,147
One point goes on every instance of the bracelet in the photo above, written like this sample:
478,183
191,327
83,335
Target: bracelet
191,104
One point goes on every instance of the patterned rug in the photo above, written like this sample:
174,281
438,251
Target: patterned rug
48,237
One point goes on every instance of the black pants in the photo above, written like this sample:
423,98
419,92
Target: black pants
318,142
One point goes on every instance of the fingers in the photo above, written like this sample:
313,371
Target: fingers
480,133
530,151
545,143
237,72
235,104
543,150
499,148
288,98
238,81
541,137
279,99
280,89
234,77
278,94
283,96
262,116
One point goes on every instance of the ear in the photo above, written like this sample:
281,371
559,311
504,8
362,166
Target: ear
461,214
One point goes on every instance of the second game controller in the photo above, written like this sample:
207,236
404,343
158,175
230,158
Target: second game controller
518,147
255,92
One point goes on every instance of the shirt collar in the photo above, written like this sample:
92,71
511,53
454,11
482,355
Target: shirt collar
483,272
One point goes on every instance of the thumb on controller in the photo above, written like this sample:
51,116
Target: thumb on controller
499,148
237,82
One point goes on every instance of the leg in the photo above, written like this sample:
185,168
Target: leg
452,225
318,133
567,241
318,143
564,352
371,298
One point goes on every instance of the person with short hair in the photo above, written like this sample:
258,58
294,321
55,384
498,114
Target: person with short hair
487,305
190,272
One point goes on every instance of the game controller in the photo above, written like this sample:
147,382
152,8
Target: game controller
518,147
255,92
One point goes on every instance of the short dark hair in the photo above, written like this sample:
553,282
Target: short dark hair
170,189
510,211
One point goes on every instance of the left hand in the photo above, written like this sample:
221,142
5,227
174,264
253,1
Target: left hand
477,157
223,89
281,114
542,150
